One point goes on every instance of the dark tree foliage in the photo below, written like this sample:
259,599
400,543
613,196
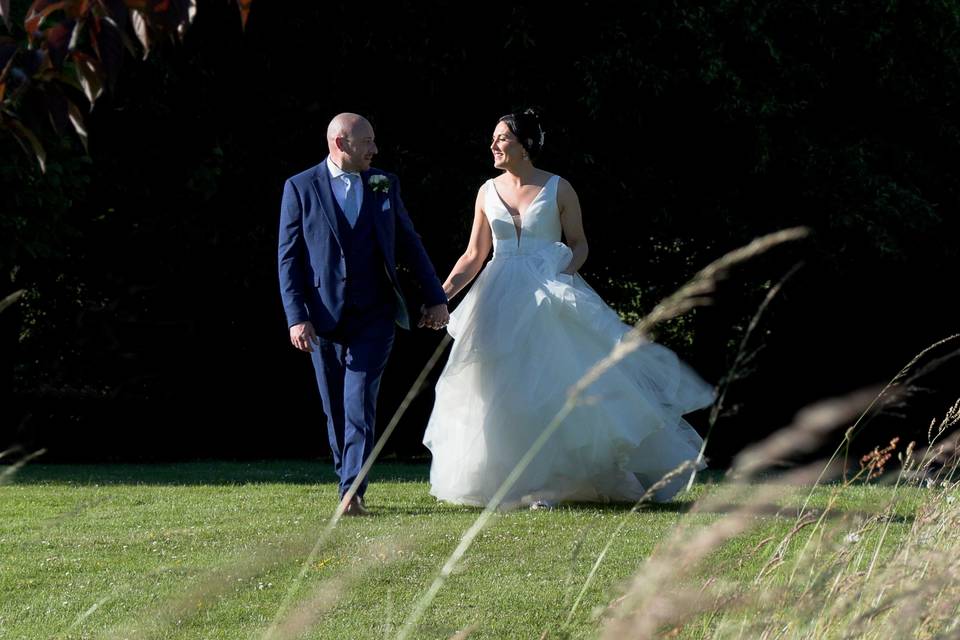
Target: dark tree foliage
151,326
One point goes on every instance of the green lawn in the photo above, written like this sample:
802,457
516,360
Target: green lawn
211,550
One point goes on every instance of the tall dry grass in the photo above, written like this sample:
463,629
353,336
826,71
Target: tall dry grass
831,575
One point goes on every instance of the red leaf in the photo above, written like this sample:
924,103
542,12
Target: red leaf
39,10
93,32
58,39
28,141
244,12
77,8
3,77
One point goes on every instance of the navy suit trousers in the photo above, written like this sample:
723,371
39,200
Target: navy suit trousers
349,364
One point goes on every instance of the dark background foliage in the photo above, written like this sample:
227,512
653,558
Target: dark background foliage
151,327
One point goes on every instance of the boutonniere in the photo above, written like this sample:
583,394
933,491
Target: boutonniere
379,182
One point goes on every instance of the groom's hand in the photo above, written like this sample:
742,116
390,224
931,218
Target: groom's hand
435,317
302,336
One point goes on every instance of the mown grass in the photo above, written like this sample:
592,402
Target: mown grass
208,550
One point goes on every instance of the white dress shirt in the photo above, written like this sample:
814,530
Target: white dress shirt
341,187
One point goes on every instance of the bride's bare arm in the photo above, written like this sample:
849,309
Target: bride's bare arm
478,248
572,224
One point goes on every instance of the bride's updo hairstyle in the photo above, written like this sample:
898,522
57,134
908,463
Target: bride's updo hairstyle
526,127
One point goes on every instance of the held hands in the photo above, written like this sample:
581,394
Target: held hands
303,337
435,317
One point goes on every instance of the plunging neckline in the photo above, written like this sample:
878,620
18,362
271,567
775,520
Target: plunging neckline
503,203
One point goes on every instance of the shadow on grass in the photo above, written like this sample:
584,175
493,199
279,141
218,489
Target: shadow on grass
380,508
320,472
770,510
209,473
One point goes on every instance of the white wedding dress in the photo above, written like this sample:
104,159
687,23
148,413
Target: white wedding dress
522,336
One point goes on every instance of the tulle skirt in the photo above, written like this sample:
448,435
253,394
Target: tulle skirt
523,335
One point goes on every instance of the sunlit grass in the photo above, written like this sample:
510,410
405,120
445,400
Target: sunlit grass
206,550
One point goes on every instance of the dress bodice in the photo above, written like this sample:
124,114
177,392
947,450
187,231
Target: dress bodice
539,224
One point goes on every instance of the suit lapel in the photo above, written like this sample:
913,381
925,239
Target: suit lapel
321,182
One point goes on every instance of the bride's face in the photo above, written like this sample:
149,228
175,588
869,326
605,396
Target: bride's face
507,150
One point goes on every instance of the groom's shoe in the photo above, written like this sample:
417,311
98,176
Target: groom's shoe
355,507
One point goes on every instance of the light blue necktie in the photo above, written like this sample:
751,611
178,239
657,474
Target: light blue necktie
351,199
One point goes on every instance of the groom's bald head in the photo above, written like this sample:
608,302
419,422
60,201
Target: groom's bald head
350,141
343,125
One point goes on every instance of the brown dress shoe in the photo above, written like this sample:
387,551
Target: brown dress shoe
355,507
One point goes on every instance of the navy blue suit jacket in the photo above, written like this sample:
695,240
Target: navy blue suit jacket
311,260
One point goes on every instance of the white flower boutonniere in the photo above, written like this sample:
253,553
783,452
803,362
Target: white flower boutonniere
379,182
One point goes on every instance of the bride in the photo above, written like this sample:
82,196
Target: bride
527,330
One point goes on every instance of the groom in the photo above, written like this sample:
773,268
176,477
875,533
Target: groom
342,227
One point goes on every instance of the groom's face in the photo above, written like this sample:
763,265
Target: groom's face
358,147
